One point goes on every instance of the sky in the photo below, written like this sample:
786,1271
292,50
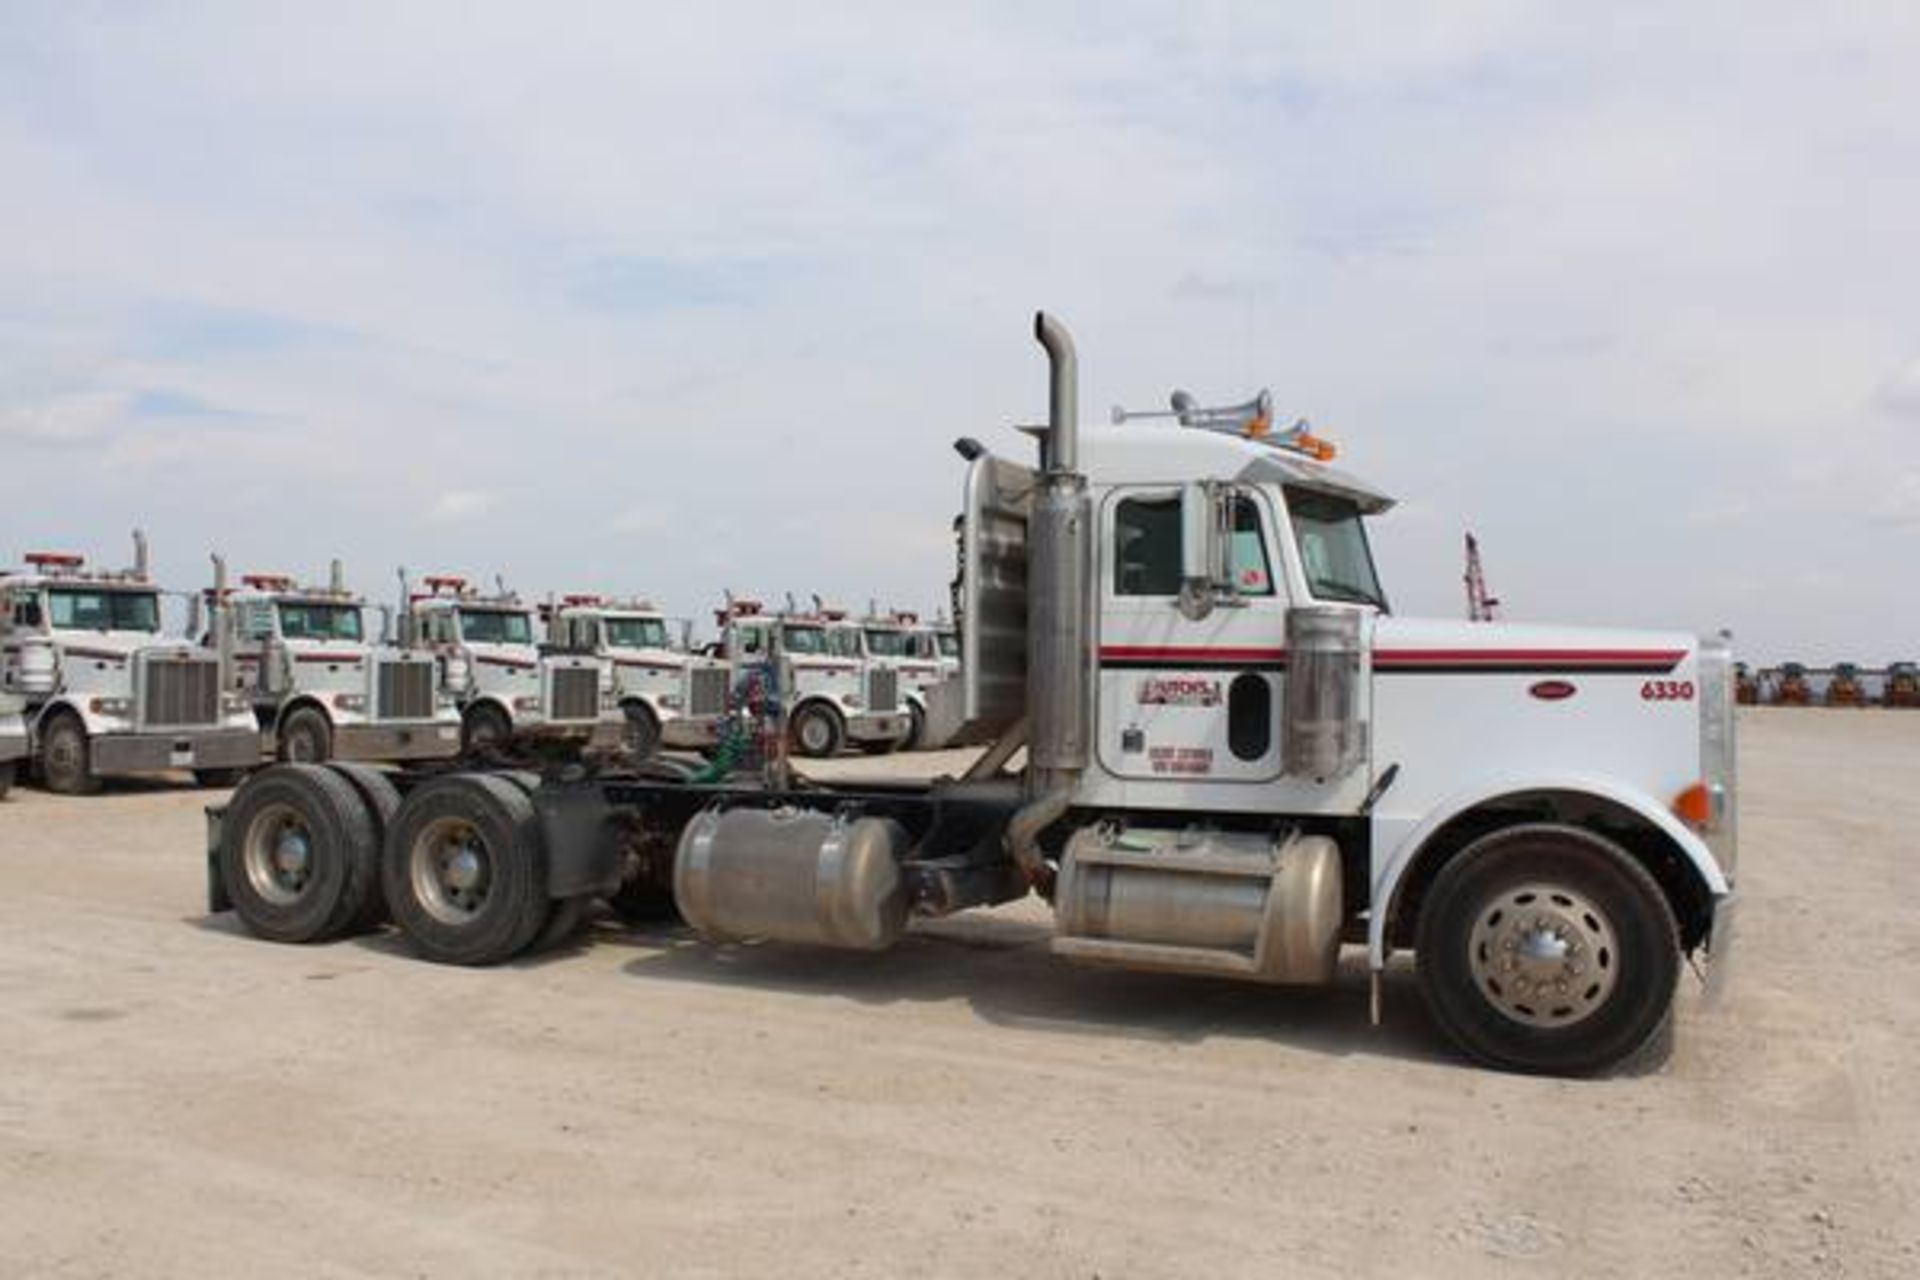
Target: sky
667,299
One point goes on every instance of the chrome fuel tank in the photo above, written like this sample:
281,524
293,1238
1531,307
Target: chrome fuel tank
793,875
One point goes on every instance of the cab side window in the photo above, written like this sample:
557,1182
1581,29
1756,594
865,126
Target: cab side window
1247,552
750,641
1146,546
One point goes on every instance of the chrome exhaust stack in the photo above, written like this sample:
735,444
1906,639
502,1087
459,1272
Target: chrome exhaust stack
141,561
336,578
1059,610
220,625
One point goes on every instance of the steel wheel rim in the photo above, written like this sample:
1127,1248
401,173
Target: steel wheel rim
1544,955
302,749
815,734
64,751
278,854
451,869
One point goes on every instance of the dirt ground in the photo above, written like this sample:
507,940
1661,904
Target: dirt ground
177,1099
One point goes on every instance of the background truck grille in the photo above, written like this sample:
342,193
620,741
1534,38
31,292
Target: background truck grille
708,697
883,689
181,691
405,691
576,693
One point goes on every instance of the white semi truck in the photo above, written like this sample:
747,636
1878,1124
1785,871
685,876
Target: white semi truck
668,696
106,692
899,639
837,699
507,685
321,685
1237,762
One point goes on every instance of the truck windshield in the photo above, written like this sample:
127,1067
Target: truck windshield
803,639
636,633
1333,548
949,644
885,643
495,626
844,642
74,610
320,621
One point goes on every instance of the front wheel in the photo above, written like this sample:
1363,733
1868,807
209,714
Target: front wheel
643,730
6,779
66,757
817,732
1546,948
484,728
306,737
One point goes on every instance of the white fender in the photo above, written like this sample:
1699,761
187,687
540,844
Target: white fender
1390,870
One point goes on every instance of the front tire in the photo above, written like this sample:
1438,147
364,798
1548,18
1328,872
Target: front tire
643,730
306,737
817,732
917,728
6,779
66,757
1547,949
484,728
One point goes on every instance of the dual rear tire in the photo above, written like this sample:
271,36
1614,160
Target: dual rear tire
310,853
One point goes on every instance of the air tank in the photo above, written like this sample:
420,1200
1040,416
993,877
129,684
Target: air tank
793,875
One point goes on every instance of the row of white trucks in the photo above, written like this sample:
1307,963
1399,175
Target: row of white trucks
1209,745
270,668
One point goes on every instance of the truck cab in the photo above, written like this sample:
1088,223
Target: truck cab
834,698
321,685
106,692
668,696
494,668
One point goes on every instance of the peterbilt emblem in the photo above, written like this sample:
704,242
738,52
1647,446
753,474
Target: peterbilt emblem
1553,690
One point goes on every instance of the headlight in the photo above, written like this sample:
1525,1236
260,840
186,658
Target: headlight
526,704
350,701
671,701
457,673
851,700
111,706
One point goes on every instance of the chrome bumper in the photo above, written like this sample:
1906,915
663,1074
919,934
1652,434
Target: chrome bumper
153,752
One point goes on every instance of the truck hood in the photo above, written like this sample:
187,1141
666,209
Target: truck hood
1450,644
120,644
506,655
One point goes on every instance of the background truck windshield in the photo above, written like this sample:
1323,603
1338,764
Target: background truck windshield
884,642
495,626
949,644
320,621
1333,548
103,610
800,639
636,633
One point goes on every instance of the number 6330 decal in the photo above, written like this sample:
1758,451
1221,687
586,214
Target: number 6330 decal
1667,691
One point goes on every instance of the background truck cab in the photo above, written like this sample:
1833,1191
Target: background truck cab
668,696
898,640
493,667
13,739
321,687
834,700
106,692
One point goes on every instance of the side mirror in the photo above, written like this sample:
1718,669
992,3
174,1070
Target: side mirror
1206,522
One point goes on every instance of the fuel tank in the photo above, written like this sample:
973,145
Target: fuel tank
793,875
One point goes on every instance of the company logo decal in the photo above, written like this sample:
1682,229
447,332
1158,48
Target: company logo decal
1179,691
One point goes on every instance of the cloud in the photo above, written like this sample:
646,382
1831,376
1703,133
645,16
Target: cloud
1901,393
460,504
70,420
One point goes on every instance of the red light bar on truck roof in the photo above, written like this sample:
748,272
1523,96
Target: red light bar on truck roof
54,559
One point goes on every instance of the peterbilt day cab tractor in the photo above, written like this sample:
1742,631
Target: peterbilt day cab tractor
1903,685
1791,687
13,739
106,692
668,696
1238,761
1845,687
898,640
506,685
320,686
836,698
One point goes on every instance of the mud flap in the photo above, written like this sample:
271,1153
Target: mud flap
584,852
217,900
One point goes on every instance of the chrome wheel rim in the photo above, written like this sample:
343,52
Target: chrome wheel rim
451,870
815,735
1544,955
278,854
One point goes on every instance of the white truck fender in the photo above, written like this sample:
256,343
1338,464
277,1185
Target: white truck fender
1402,844
93,723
